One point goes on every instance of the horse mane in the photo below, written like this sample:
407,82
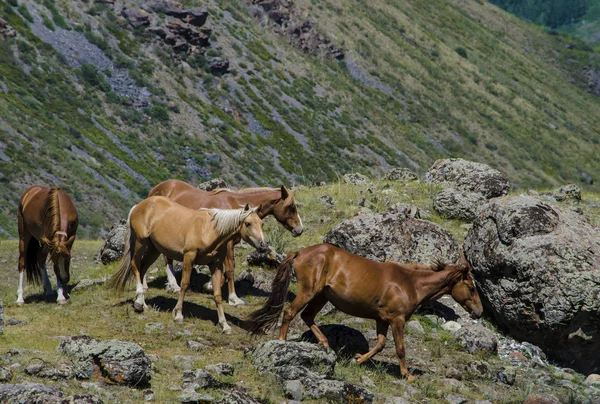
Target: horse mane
228,220
51,214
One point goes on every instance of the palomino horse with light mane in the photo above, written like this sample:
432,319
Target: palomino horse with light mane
387,292
278,202
158,225
47,221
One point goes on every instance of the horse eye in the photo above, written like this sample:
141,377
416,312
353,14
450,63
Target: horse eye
248,224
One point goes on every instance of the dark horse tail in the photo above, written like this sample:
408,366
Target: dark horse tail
266,317
123,276
32,267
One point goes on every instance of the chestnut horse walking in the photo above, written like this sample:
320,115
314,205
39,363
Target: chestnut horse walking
47,222
278,202
387,292
158,225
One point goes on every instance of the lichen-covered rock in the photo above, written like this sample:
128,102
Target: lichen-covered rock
113,247
215,183
136,17
540,398
1,317
198,379
468,176
270,259
30,393
224,369
458,205
401,174
537,269
116,361
394,236
476,339
273,354
237,397
345,341
356,179
570,191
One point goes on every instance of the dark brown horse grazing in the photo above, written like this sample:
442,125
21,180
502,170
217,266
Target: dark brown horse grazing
278,202
388,292
47,221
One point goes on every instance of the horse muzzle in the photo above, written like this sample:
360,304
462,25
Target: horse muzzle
296,231
262,247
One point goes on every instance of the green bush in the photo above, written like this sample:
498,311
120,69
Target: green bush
461,52
158,113
90,75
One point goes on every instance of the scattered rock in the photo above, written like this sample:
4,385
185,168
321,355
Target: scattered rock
401,174
356,179
61,372
268,259
238,397
5,374
451,326
6,31
223,369
148,395
507,376
294,389
476,339
34,368
153,327
183,362
191,397
88,283
115,361
394,236
570,191
468,176
415,327
195,345
218,66
215,183
396,400
479,368
536,268
274,354
328,309
196,379
367,382
30,393
454,204
327,200
593,379
538,398
136,17
345,341
455,399
112,250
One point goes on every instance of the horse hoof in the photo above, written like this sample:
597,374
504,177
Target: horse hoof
138,307
20,303
172,289
62,301
236,302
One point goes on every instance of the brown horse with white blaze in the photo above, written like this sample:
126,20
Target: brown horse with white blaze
47,223
278,202
387,292
158,225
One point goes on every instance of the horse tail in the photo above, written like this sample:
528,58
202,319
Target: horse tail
32,267
124,274
266,317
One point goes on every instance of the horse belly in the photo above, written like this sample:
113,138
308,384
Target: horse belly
353,305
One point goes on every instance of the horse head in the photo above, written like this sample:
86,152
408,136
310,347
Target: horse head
252,229
60,254
464,291
286,213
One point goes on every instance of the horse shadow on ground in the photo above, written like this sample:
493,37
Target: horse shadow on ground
192,310
43,298
439,309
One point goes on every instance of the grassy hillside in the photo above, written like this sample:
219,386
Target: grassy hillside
420,81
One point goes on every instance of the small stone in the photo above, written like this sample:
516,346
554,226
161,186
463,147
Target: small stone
507,376
195,346
294,389
153,327
437,321
13,321
184,333
191,397
451,326
367,382
183,362
148,395
396,400
454,373
455,399
479,368
415,326
593,379
224,369
5,374
34,368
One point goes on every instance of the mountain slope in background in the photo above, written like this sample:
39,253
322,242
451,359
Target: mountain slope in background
107,98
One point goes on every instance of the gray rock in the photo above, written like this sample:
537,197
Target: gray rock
454,204
198,379
455,399
479,368
213,184
1,317
83,399
476,339
61,372
14,321
396,400
570,191
5,374
153,327
273,354
88,283
593,379
394,236
112,250
270,259
191,397
367,382
415,327
451,326
468,176
329,308
345,341
507,376
327,200
237,397
148,395
136,17
224,369
541,398
183,362
335,390
116,361
356,179
293,389
401,174
34,368
30,393
195,345
536,270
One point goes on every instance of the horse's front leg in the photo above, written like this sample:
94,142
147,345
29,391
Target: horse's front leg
59,286
232,299
398,331
188,262
217,274
24,239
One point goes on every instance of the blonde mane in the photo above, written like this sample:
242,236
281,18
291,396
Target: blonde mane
228,220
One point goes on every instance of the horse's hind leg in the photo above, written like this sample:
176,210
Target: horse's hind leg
301,300
136,264
309,313
232,299
217,274
172,286
382,329
149,258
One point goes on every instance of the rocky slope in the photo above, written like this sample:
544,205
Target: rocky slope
107,98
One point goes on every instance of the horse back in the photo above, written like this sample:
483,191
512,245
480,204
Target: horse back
189,196
32,207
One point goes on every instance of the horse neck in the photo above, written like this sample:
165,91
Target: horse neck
431,285
265,198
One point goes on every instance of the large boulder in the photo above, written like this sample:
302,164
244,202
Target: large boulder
274,354
113,247
394,236
476,339
458,205
537,269
39,393
468,176
114,361
401,174
213,184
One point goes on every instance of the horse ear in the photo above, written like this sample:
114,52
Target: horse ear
259,208
284,192
45,240
70,241
247,207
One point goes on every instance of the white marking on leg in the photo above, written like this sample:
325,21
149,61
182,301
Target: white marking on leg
20,300
172,285
46,279
234,300
139,304
59,290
